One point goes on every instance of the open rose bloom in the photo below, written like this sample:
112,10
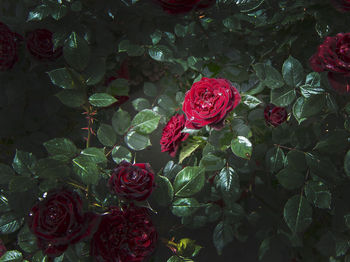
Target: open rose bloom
341,5
8,47
333,55
208,102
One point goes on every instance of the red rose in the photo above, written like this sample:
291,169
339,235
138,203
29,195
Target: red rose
58,221
110,236
341,5
334,56
208,102
2,248
127,235
133,182
40,45
172,136
275,115
8,47
183,6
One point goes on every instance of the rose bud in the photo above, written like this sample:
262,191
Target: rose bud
40,45
208,102
58,221
275,115
183,6
172,136
133,182
334,56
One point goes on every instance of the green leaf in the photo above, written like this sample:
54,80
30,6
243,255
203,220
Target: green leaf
292,72
296,160
137,141
95,155
156,37
298,109
149,89
51,168
308,90
290,179
189,181
183,207
86,170
227,181
21,184
62,78
164,191
59,11
312,105
140,104
347,163
335,142
213,212
95,71
275,159
145,122
282,96
171,169
222,235
120,153
9,223
101,100
40,257
233,212
297,214
119,87
121,121
39,13
251,101
318,194
242,147
76,51
24,162
131,49
26,240
4,204
167,103
72,98
12,256
331,103
61,146
313,79
160,53
106,135
268,75
6,174
180,30
177,259
188,149
212,162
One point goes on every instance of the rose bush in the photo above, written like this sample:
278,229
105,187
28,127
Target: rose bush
341,5
333,55
132,181
183,6
58,221
124,235
208,102
275,115
172,135
40,45
8,47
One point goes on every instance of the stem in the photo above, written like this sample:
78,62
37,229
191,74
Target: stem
289,148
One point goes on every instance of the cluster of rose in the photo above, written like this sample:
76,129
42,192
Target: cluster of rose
126,232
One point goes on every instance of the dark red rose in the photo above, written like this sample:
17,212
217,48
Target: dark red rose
2,248
141,236
183,6
8,47
172,136
124,236
341,5
110,237
334,56
58,221
275,115
133,182
40,45
208,102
